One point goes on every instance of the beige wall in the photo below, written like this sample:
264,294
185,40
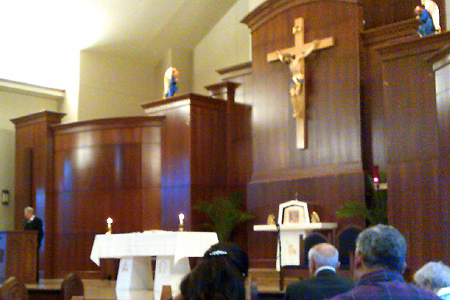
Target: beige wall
7,177
113,86
226,45
15,104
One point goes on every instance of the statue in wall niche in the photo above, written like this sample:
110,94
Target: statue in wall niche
170,82
428,16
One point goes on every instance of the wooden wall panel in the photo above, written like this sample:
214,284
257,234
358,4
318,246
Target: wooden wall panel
195,158
332,87
33,176
441,68
380,13
372,110
104,168
414,140
328,172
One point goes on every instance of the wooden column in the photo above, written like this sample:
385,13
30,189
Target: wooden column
200,136
34,175
415,130
193,155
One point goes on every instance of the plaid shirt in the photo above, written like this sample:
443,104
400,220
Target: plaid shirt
386,285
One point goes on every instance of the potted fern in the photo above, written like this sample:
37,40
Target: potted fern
225,214
377,213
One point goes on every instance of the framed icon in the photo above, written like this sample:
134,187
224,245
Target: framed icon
293,212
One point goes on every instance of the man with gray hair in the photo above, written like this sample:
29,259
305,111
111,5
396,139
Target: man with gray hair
34,223
435,276
324,283
379,265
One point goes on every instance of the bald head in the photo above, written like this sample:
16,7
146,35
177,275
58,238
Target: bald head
323,255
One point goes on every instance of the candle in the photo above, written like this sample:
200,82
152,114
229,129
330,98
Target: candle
181,218
109,221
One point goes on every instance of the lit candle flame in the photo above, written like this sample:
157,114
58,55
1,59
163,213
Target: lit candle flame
181,217
109,221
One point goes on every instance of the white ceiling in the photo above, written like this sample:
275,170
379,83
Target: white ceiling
143,28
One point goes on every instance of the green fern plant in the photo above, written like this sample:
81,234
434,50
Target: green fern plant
224,213
376,214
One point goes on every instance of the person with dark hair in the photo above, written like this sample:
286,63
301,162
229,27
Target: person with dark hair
379,264
235,254
220,275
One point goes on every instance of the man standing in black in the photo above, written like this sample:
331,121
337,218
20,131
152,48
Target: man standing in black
34,223
324,283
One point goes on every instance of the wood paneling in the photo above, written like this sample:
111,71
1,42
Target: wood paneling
372,109
104,168
328,172
380,13
197,146
413,143
33,175
376,13
18,255
442,74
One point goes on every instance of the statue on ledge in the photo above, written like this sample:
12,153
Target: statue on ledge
428,16
170,82
433,9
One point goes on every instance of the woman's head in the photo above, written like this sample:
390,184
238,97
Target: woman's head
235,254
220,275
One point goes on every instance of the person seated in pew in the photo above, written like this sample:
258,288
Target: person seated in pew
379,265
434,276
324,283
220,275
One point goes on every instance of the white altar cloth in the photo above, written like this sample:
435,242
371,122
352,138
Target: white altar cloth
290,239
172,251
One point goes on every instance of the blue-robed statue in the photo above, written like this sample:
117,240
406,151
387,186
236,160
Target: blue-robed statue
170,82
424,17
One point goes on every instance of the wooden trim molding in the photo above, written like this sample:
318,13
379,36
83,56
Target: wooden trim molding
159,106
311,172
405,30
101,124
49,116
20,87
272,8
414,47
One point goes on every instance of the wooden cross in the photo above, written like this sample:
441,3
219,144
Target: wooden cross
295,57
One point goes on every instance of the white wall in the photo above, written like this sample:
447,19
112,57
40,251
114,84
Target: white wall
113,86
226,45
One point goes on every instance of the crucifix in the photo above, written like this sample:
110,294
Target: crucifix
295,58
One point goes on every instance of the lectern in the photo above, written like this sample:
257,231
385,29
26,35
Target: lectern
18,255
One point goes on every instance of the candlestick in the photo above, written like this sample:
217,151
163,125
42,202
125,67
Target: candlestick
181,222
109,221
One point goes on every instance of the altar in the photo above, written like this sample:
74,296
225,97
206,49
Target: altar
135,250
289,239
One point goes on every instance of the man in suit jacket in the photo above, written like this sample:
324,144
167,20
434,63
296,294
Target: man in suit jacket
324,283
34,223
